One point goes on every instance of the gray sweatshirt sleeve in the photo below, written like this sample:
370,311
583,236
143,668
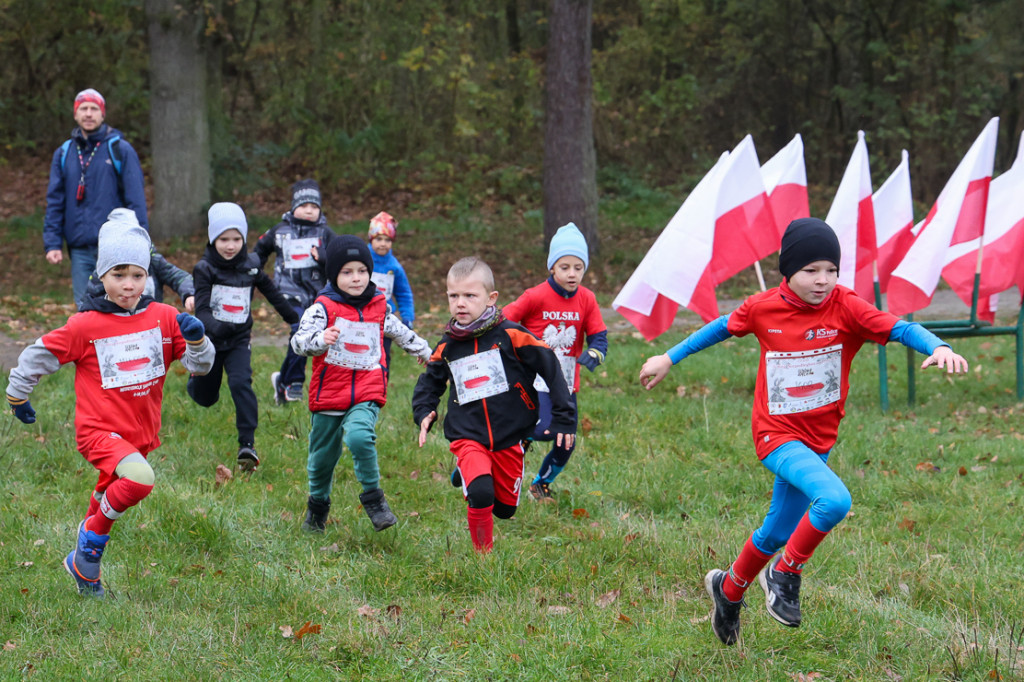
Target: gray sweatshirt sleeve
34,363
308,339
198,358
411,342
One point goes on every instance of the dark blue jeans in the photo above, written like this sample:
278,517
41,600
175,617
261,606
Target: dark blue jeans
293,368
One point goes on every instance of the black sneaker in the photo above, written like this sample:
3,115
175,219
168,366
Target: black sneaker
782,593
456,478
541,492
377,509
725,619
248,460
316,515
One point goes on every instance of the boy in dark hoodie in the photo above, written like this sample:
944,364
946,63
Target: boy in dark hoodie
225,278
344,331
299,242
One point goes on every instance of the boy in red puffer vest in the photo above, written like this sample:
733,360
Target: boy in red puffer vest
344,331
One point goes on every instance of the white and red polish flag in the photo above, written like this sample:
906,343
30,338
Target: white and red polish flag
723,226
785,181
744,227
852,218
894,220
1002,245
675,270
958,216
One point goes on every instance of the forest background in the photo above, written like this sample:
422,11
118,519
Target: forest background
439,105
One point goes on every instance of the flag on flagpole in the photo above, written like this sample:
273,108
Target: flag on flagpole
785,181
957,216
853,220
893,204
744,227
675,270
1002,243
723,226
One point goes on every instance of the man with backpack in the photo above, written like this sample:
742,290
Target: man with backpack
92,173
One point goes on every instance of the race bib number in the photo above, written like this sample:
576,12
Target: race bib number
568,365
358,346
385,282
478,376
230,304
130,359
298,253
804,380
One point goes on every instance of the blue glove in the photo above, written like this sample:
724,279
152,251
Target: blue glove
591,359
191,327
22,409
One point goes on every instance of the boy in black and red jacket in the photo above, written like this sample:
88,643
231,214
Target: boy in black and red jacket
492,406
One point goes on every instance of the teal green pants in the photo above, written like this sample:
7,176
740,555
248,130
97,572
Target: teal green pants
356,428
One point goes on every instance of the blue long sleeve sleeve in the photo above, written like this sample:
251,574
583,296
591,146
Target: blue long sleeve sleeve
705,337
598,342
915,336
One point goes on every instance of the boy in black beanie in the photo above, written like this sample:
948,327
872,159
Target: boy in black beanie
809,329
344,331
298,241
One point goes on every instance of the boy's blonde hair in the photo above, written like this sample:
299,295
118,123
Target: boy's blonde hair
469,266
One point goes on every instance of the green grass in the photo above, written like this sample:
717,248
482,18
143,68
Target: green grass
922,582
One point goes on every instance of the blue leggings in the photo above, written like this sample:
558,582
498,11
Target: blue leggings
558,456
802,479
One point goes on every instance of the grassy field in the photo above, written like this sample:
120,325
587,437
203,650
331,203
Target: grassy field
209,581
218,582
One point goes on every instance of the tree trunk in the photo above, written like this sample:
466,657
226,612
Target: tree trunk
179,124
570,162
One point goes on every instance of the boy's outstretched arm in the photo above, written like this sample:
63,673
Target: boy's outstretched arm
656,368
924,342
426,395
313,337
411,342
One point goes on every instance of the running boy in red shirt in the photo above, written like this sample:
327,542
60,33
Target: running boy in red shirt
492,405
809,330
563,313
121,344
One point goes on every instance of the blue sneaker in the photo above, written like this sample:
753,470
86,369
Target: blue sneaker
83,563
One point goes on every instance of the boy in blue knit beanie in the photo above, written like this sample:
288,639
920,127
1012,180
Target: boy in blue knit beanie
563,313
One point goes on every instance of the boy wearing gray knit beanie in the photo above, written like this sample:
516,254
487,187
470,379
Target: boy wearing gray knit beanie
225,279
121,344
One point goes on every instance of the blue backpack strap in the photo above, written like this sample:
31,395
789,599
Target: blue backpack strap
64,149
113,147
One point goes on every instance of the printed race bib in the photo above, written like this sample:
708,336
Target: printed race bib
802,381
568,365
130,359
230,304
478,376
298,253
358,346
385,282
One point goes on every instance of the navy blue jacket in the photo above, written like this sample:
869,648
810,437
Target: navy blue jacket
78,222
